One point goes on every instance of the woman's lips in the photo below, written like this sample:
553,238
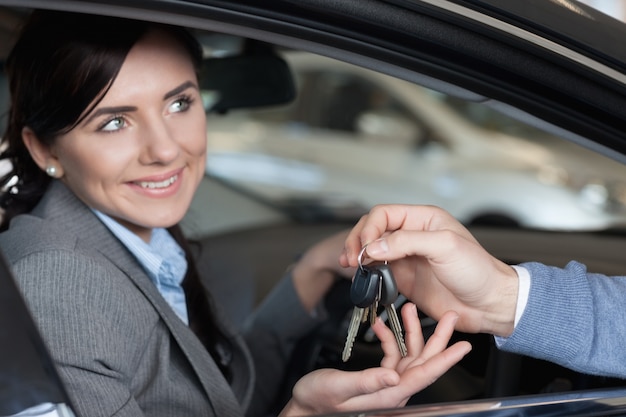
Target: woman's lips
161,185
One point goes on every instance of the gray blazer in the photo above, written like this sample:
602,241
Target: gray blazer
119,347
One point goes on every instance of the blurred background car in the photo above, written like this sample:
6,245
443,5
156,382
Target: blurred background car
351,131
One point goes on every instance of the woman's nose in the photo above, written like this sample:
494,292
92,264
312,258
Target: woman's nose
159,144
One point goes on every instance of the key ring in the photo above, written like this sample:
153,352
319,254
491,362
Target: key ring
360,257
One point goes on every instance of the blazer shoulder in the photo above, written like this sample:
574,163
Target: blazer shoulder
29,234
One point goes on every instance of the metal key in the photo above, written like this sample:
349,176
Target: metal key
373,308
364,292
388,295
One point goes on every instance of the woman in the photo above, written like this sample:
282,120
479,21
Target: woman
106,136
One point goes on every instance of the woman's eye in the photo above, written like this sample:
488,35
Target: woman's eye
113,125
180,105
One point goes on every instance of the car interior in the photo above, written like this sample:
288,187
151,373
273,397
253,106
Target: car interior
250,231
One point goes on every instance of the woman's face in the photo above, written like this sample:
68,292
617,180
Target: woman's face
140,154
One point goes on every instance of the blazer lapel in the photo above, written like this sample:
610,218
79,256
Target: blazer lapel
217,388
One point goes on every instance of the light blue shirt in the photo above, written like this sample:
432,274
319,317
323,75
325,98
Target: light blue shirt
162,259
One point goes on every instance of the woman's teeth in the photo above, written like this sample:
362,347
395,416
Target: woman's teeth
160,184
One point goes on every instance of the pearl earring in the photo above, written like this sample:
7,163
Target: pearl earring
51,170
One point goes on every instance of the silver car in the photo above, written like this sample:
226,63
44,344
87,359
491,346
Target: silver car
351,131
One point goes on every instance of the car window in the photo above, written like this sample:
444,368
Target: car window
353,138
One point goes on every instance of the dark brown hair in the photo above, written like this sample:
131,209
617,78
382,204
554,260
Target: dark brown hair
60,67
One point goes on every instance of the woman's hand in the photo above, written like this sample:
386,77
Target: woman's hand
317,269
390,385
438,265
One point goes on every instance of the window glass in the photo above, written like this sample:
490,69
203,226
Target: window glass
354,138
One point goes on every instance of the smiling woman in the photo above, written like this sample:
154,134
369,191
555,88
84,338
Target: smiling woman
107,137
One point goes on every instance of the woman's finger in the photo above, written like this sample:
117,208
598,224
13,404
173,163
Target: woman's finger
416,378
388,343
441,337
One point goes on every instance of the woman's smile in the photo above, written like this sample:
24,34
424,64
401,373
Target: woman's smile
159,186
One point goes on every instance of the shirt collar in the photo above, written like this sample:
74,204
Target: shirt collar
162,258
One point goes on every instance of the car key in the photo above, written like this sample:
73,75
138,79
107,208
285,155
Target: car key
389,294
364,292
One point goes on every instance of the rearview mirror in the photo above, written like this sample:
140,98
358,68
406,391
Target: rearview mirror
246,81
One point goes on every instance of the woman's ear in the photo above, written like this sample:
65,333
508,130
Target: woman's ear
41,153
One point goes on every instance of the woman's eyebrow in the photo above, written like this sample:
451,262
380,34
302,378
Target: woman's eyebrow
180,89
110,110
